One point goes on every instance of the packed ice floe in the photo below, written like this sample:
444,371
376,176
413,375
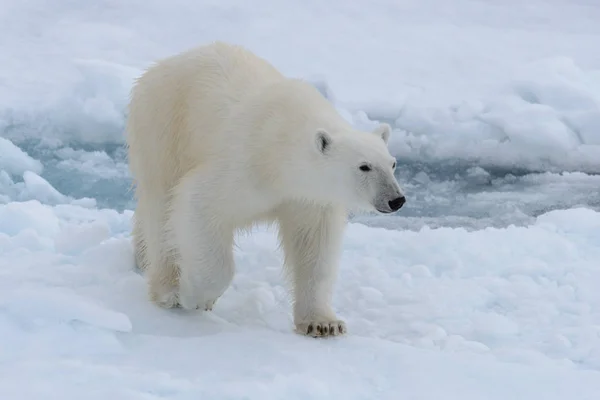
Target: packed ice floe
73,308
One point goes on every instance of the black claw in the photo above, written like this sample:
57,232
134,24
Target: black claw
325,330
310,329
319,329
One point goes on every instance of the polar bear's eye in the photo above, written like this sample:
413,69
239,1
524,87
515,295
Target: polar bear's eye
364,167
394,165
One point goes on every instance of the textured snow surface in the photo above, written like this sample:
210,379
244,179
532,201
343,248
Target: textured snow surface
493,313
484,286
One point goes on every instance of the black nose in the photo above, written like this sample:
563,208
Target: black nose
397,203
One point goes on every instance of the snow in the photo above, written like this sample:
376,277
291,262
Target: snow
546,118
484,286
494,313
468,80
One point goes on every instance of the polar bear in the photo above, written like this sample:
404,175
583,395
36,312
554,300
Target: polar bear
219,140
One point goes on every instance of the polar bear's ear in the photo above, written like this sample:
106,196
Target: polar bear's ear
384,131
322,140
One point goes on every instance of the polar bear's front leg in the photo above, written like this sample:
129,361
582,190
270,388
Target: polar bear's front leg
311,237
204,247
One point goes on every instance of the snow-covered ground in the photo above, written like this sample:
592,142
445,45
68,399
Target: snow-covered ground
484,286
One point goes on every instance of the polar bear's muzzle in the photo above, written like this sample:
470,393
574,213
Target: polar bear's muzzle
389,198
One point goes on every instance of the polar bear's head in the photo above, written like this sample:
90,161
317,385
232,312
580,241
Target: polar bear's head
356,168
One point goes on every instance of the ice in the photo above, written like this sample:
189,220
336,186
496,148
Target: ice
13,160
545,119
512,89
94,163
47,306
484,286
19,216
38,188
490,85
468,316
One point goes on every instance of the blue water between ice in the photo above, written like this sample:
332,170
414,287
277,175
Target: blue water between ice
450,194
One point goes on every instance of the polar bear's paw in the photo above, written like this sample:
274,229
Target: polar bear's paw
193,302
322,328
165,298
209,305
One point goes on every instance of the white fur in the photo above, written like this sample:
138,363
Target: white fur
219,140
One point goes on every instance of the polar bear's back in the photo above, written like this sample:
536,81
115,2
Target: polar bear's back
179,105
